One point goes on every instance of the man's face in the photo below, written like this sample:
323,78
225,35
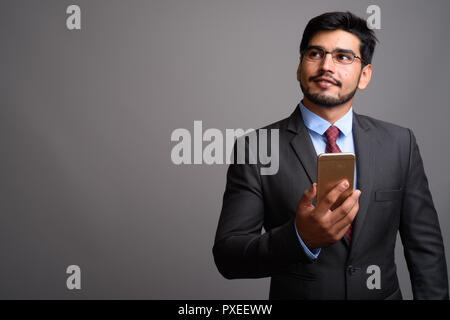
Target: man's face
326,82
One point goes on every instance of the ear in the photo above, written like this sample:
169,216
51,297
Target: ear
366,75
299,69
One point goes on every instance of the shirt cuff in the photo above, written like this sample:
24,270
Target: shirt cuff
312,254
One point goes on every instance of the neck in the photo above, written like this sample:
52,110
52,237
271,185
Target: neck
330,114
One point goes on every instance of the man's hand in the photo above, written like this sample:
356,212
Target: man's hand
319,226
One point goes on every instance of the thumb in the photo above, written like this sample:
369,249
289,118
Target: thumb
308,196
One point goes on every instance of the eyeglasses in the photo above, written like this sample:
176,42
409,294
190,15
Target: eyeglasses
340,56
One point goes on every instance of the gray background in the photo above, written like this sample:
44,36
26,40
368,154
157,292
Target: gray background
86,117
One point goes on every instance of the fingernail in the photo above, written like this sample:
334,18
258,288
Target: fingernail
344,184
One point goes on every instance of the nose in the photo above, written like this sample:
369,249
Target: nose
327,64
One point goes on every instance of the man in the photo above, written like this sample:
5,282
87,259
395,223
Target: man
309,251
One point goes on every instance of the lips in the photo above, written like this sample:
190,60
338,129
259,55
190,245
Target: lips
325,80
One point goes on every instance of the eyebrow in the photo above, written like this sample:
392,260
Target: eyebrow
337,49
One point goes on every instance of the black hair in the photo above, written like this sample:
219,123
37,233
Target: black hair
346,21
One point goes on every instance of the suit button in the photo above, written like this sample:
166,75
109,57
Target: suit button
352,270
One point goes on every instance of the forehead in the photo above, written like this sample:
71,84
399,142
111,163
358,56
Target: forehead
332,39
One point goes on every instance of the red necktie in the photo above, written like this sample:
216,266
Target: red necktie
331,134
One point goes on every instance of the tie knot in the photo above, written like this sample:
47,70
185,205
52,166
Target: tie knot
331,134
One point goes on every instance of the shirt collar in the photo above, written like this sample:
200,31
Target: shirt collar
318,124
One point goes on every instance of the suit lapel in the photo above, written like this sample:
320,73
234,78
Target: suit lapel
364,163
302,145
305,152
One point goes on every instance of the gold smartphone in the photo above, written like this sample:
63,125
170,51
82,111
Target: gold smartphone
331,168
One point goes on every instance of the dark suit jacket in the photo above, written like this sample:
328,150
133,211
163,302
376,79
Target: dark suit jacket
395,197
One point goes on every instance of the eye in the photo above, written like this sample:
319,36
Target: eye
314,54
343,57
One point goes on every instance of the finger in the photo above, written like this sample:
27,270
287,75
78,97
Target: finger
342,211
325,204
342,233
308,196
342,225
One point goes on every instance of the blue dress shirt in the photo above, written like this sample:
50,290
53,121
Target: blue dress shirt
316,127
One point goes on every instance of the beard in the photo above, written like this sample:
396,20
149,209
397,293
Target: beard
325,100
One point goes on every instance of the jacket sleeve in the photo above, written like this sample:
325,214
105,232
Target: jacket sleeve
421,234
240,249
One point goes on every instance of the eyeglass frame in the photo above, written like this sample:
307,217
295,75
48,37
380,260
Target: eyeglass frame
331,52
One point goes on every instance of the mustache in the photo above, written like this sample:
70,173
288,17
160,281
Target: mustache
327,75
